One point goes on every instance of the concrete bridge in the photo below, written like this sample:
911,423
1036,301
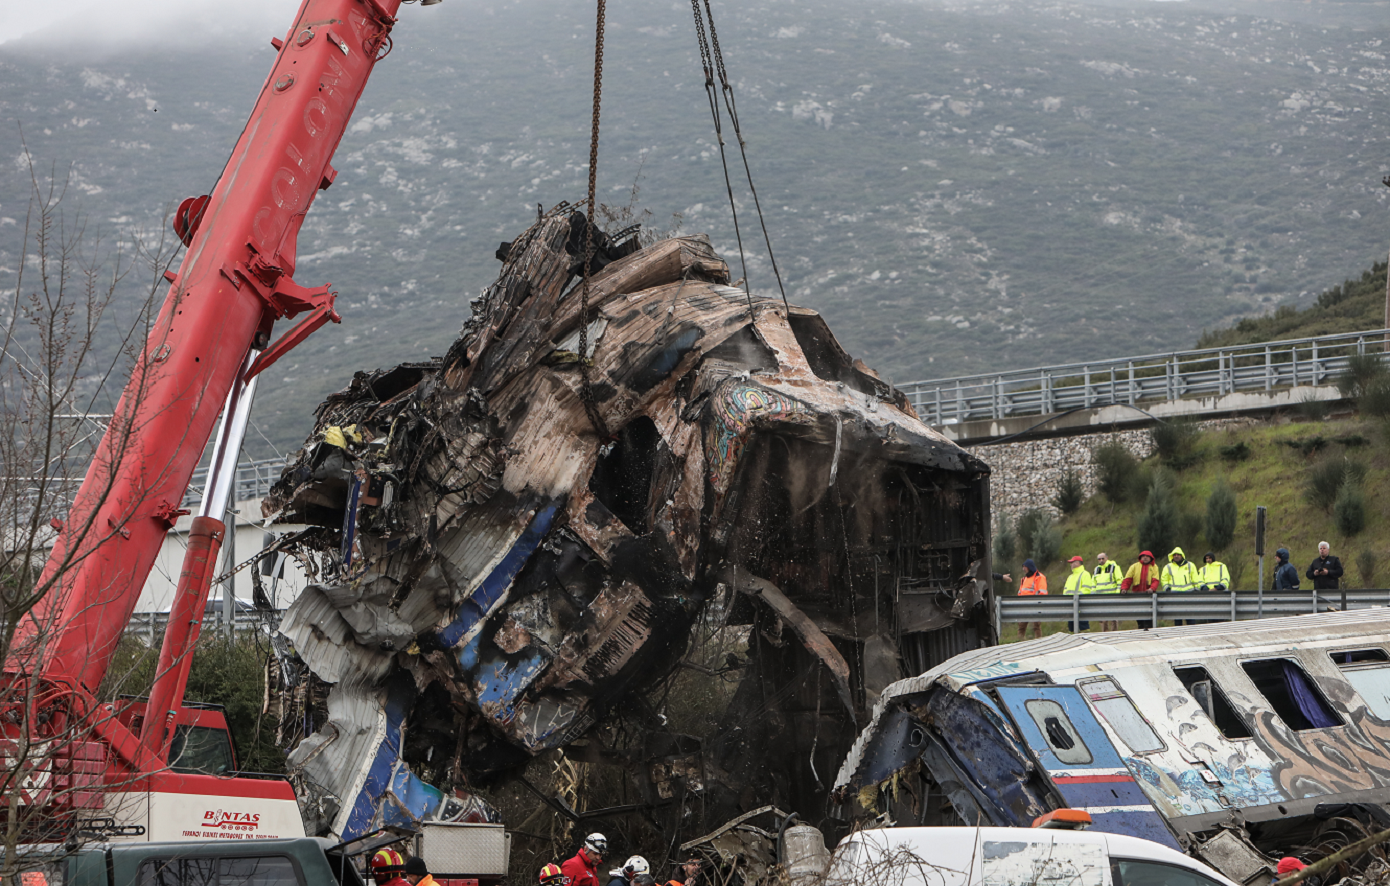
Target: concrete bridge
1082,398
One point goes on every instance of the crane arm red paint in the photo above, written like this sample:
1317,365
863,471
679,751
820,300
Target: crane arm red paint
234,282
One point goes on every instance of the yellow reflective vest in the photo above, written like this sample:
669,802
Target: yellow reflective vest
1079,582
1107,578
1178,578
1214,573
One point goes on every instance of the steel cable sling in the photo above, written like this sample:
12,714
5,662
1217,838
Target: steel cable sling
709,49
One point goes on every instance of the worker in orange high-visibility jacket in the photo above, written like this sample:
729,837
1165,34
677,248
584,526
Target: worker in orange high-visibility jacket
1032,584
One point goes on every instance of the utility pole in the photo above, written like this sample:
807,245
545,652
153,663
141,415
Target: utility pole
1260,553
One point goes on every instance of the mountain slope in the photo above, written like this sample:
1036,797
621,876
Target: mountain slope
956,186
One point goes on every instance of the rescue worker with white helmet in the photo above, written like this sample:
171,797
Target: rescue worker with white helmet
582,868
629,872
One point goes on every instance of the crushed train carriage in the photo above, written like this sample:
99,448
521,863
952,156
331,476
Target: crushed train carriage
499,565
1234,741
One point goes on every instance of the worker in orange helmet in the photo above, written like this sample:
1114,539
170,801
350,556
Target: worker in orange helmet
551,875
388,868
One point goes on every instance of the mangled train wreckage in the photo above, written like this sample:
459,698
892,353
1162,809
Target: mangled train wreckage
1237,742
515,538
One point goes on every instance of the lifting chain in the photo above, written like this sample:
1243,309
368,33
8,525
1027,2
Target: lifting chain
586,388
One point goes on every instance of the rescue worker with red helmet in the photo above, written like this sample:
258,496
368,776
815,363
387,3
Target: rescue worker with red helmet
551,875
388,868
582,869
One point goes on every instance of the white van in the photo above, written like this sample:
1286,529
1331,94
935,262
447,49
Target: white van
1010,857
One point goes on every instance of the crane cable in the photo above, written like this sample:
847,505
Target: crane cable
586,388
710,48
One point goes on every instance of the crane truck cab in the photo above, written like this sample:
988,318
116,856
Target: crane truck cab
1039,856
294,862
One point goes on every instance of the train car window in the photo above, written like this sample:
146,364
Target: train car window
1213,701
1368,672
1055,725
1291,694
1117,709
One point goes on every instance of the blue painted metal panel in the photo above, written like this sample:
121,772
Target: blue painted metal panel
489,592
1069,743
413,798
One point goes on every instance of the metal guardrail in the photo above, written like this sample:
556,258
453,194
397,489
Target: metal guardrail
1264,367
1191,605
150,625
253,480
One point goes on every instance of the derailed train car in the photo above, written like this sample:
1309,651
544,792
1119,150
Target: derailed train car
516,539
1237,742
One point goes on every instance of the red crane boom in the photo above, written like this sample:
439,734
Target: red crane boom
212,337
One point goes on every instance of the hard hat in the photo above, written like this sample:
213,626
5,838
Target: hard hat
386,865
551,873
598,843
636,865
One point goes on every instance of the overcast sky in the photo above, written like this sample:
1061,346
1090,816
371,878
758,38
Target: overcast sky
104,22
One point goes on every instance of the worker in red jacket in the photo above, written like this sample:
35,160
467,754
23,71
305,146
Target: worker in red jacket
582,869
1142,578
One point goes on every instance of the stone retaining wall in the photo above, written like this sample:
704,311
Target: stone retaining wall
1026,474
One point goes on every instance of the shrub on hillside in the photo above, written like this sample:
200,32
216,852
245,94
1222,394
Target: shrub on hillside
1070,493
1310,408
1363,372
1005,544
1366,567
1160,524
1239,451
1325,479
1116,471
1349,509
1174,442
1039,539
1221,516
1375,402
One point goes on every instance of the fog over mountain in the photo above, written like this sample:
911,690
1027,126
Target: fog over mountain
957,186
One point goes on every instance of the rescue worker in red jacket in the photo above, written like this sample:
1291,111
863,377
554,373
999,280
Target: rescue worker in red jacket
1033,583
582,869
1142,578
388,868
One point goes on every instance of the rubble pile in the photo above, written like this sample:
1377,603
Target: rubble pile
500,564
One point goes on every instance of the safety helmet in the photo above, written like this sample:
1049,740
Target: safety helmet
636,865
551,873
386,865
597,843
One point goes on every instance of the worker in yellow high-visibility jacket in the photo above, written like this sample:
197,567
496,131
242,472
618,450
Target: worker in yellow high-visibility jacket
1079,582
1179,574
1107,577
1213,574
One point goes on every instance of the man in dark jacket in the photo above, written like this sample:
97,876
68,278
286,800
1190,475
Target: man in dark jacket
1285,573
1326,570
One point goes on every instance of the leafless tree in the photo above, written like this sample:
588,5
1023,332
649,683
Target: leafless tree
72,327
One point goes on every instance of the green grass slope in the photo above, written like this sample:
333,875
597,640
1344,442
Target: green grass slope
1351,307
1273,476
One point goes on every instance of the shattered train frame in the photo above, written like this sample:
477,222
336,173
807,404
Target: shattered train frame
499,568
